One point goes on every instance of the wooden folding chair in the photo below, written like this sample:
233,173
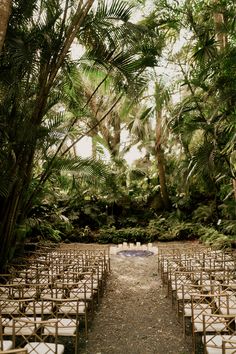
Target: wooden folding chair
184,286
213,341
40,341
226,303
12,311
185,306
65,312
83,290
228,347
202,305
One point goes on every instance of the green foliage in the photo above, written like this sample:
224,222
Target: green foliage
112,235
205,213
81,235
228,227
46,231
179,231
212,237
160,229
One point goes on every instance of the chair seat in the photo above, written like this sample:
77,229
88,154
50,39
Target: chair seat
77,294
214,343
58,294
5,321
197,309
7,344
44,348
38,308
187,294
228,310
20,327
71,308
29,293
214,327
9,307
66,327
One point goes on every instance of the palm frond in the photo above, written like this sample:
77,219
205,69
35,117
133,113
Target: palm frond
117,9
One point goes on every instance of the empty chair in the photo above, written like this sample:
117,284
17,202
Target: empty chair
64,312
17,315
213,341
10,307
186,305
228,347
227,304
40,341
202,305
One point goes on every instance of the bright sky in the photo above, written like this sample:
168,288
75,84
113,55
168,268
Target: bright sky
84,149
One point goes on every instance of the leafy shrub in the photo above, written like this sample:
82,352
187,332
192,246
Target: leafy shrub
131,221
228,227
162,229
172,229
179,231
135,234
212,237
82,235
161,224
205,213
43,230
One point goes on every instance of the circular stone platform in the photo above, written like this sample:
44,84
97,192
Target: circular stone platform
135,253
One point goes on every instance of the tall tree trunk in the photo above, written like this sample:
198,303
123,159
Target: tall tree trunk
219,28
5,11
161,161
115,138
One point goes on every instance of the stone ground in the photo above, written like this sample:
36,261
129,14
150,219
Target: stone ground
136,315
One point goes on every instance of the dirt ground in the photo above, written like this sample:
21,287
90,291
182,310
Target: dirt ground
135,315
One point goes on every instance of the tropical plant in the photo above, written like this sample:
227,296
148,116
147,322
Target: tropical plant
36,67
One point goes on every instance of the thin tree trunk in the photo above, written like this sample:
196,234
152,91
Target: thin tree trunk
5,11
219,28
94,147
116,124
161,161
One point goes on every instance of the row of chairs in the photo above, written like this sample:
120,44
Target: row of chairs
45,300
202,286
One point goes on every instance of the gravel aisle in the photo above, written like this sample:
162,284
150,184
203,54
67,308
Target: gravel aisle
135,316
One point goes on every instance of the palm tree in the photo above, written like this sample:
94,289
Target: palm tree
204,117
34,62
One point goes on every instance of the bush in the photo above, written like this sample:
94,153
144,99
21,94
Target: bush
44,230
135,234
214,238
228,227
205,213
82,235
160,229
171,229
